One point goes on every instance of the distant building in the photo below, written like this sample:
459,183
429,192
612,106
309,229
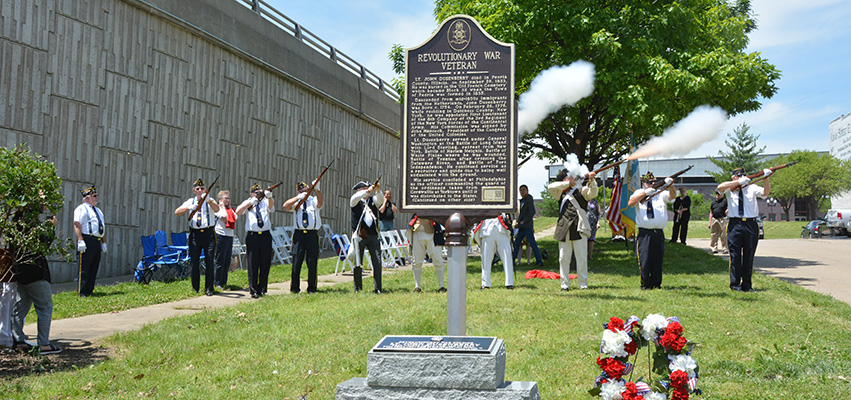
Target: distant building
840,147
699,180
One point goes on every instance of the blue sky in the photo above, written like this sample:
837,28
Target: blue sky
809,41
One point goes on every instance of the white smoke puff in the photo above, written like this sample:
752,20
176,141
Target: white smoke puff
552,89
701,126
573,167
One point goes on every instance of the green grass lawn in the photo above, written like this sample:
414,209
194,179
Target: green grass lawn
781,342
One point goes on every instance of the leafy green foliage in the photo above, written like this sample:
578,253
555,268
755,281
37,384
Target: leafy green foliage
699,206
29,187
549,205
655,62
816,177
743,153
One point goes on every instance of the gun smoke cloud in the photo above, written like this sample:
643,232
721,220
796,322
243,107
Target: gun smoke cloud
573,167
552,89
701,126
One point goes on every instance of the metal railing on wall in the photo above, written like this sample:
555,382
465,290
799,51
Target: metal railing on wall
307,37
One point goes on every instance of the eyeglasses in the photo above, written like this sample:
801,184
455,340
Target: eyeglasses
94,195
199,188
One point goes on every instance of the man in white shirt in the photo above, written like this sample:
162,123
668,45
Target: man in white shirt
306,224
258,240
89,226
201,235
742,228
651,216
365,202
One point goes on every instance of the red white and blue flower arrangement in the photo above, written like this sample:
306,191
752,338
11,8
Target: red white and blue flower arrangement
670,360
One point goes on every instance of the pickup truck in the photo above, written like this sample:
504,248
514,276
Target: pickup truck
839,221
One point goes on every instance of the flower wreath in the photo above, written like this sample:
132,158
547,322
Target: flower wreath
671,360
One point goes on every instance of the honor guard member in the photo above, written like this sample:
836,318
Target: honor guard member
421,237
91,240
202,235
742,228
494,236
682,214
258,240
306,224
572,228
365,202
225,226
651,216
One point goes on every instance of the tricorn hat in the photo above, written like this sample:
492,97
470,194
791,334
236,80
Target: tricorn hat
360,185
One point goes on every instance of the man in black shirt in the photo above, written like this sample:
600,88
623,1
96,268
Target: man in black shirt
682,214
718,223
387,212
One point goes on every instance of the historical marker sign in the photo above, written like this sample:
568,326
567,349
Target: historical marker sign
459,146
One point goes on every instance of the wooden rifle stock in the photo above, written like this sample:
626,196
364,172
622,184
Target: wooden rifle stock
761,173
607,167
312,186
203,198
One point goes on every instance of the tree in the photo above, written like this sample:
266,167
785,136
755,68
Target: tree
743,153
655,62
816,177
28,186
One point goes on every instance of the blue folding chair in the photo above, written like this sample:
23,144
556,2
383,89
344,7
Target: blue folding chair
179,243
153,265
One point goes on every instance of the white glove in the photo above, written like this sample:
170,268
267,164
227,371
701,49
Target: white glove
649,192
301,195
268,194
669,180
103,247
767,172
81,246
316,183
743,181
253,201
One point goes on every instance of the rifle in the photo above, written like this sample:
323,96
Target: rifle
520,164
261,195
312,186
659,185
204,197
610,166
761,173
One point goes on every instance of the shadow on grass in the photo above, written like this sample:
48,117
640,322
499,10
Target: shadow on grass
14,364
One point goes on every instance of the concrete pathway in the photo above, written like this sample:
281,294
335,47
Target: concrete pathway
821,265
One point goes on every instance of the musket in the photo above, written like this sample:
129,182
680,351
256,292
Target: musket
204,197
660,185
312,186
761,173
520,164
261,195
607,167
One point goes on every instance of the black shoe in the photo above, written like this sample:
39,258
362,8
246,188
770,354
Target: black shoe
357,289
262,293
418,290
255,296
509,287
209,292
736,288
539,264
564,289
295,291
441,290
376,291
485,287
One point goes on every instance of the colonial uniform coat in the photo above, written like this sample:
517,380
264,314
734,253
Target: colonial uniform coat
572,229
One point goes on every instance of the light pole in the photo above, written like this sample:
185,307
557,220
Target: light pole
771,201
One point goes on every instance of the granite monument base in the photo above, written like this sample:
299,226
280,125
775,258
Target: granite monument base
411,367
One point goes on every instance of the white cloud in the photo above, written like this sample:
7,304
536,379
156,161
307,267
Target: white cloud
786,22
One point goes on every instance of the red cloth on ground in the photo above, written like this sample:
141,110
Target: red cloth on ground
538,273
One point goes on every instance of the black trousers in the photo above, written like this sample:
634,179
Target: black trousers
224,252
89,263
650,246
372,244
680,230
742,238
305,247
258,260
202,239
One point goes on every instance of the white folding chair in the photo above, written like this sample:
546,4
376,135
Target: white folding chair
344,256
389,253
289,232
279,247
239,252
327,233
401,243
